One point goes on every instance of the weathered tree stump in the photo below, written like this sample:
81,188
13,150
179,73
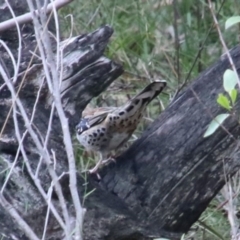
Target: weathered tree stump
158,187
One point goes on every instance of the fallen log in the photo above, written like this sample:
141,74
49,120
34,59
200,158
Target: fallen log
169,175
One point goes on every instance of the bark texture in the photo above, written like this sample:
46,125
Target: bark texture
171,173
158,188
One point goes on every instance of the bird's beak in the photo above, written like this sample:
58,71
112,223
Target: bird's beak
78,128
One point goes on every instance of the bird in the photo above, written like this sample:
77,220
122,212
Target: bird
105,129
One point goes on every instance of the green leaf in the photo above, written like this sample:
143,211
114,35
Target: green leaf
215,123
230,80
233,95
224,101
232,21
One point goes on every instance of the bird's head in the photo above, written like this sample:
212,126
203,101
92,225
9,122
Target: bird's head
82,126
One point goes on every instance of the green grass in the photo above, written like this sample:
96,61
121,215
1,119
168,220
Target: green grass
143,42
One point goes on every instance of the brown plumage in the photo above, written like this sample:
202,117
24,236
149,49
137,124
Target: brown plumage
108,128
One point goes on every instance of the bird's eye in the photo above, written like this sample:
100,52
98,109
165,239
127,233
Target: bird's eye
82,126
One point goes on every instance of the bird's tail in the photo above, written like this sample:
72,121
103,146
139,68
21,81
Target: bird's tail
142,99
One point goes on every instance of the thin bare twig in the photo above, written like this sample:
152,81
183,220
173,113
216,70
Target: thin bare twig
227,191
222,41
49,194
198,54
53,84
15,215
32,134
35,180
27,17
41,42
46,138
20,142
177,45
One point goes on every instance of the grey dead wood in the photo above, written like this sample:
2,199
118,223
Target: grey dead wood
169,176
158,187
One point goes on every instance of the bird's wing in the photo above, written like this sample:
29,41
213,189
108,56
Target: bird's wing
96,119
91,112
93,117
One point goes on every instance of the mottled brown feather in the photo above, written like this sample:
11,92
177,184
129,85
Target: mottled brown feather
108,128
